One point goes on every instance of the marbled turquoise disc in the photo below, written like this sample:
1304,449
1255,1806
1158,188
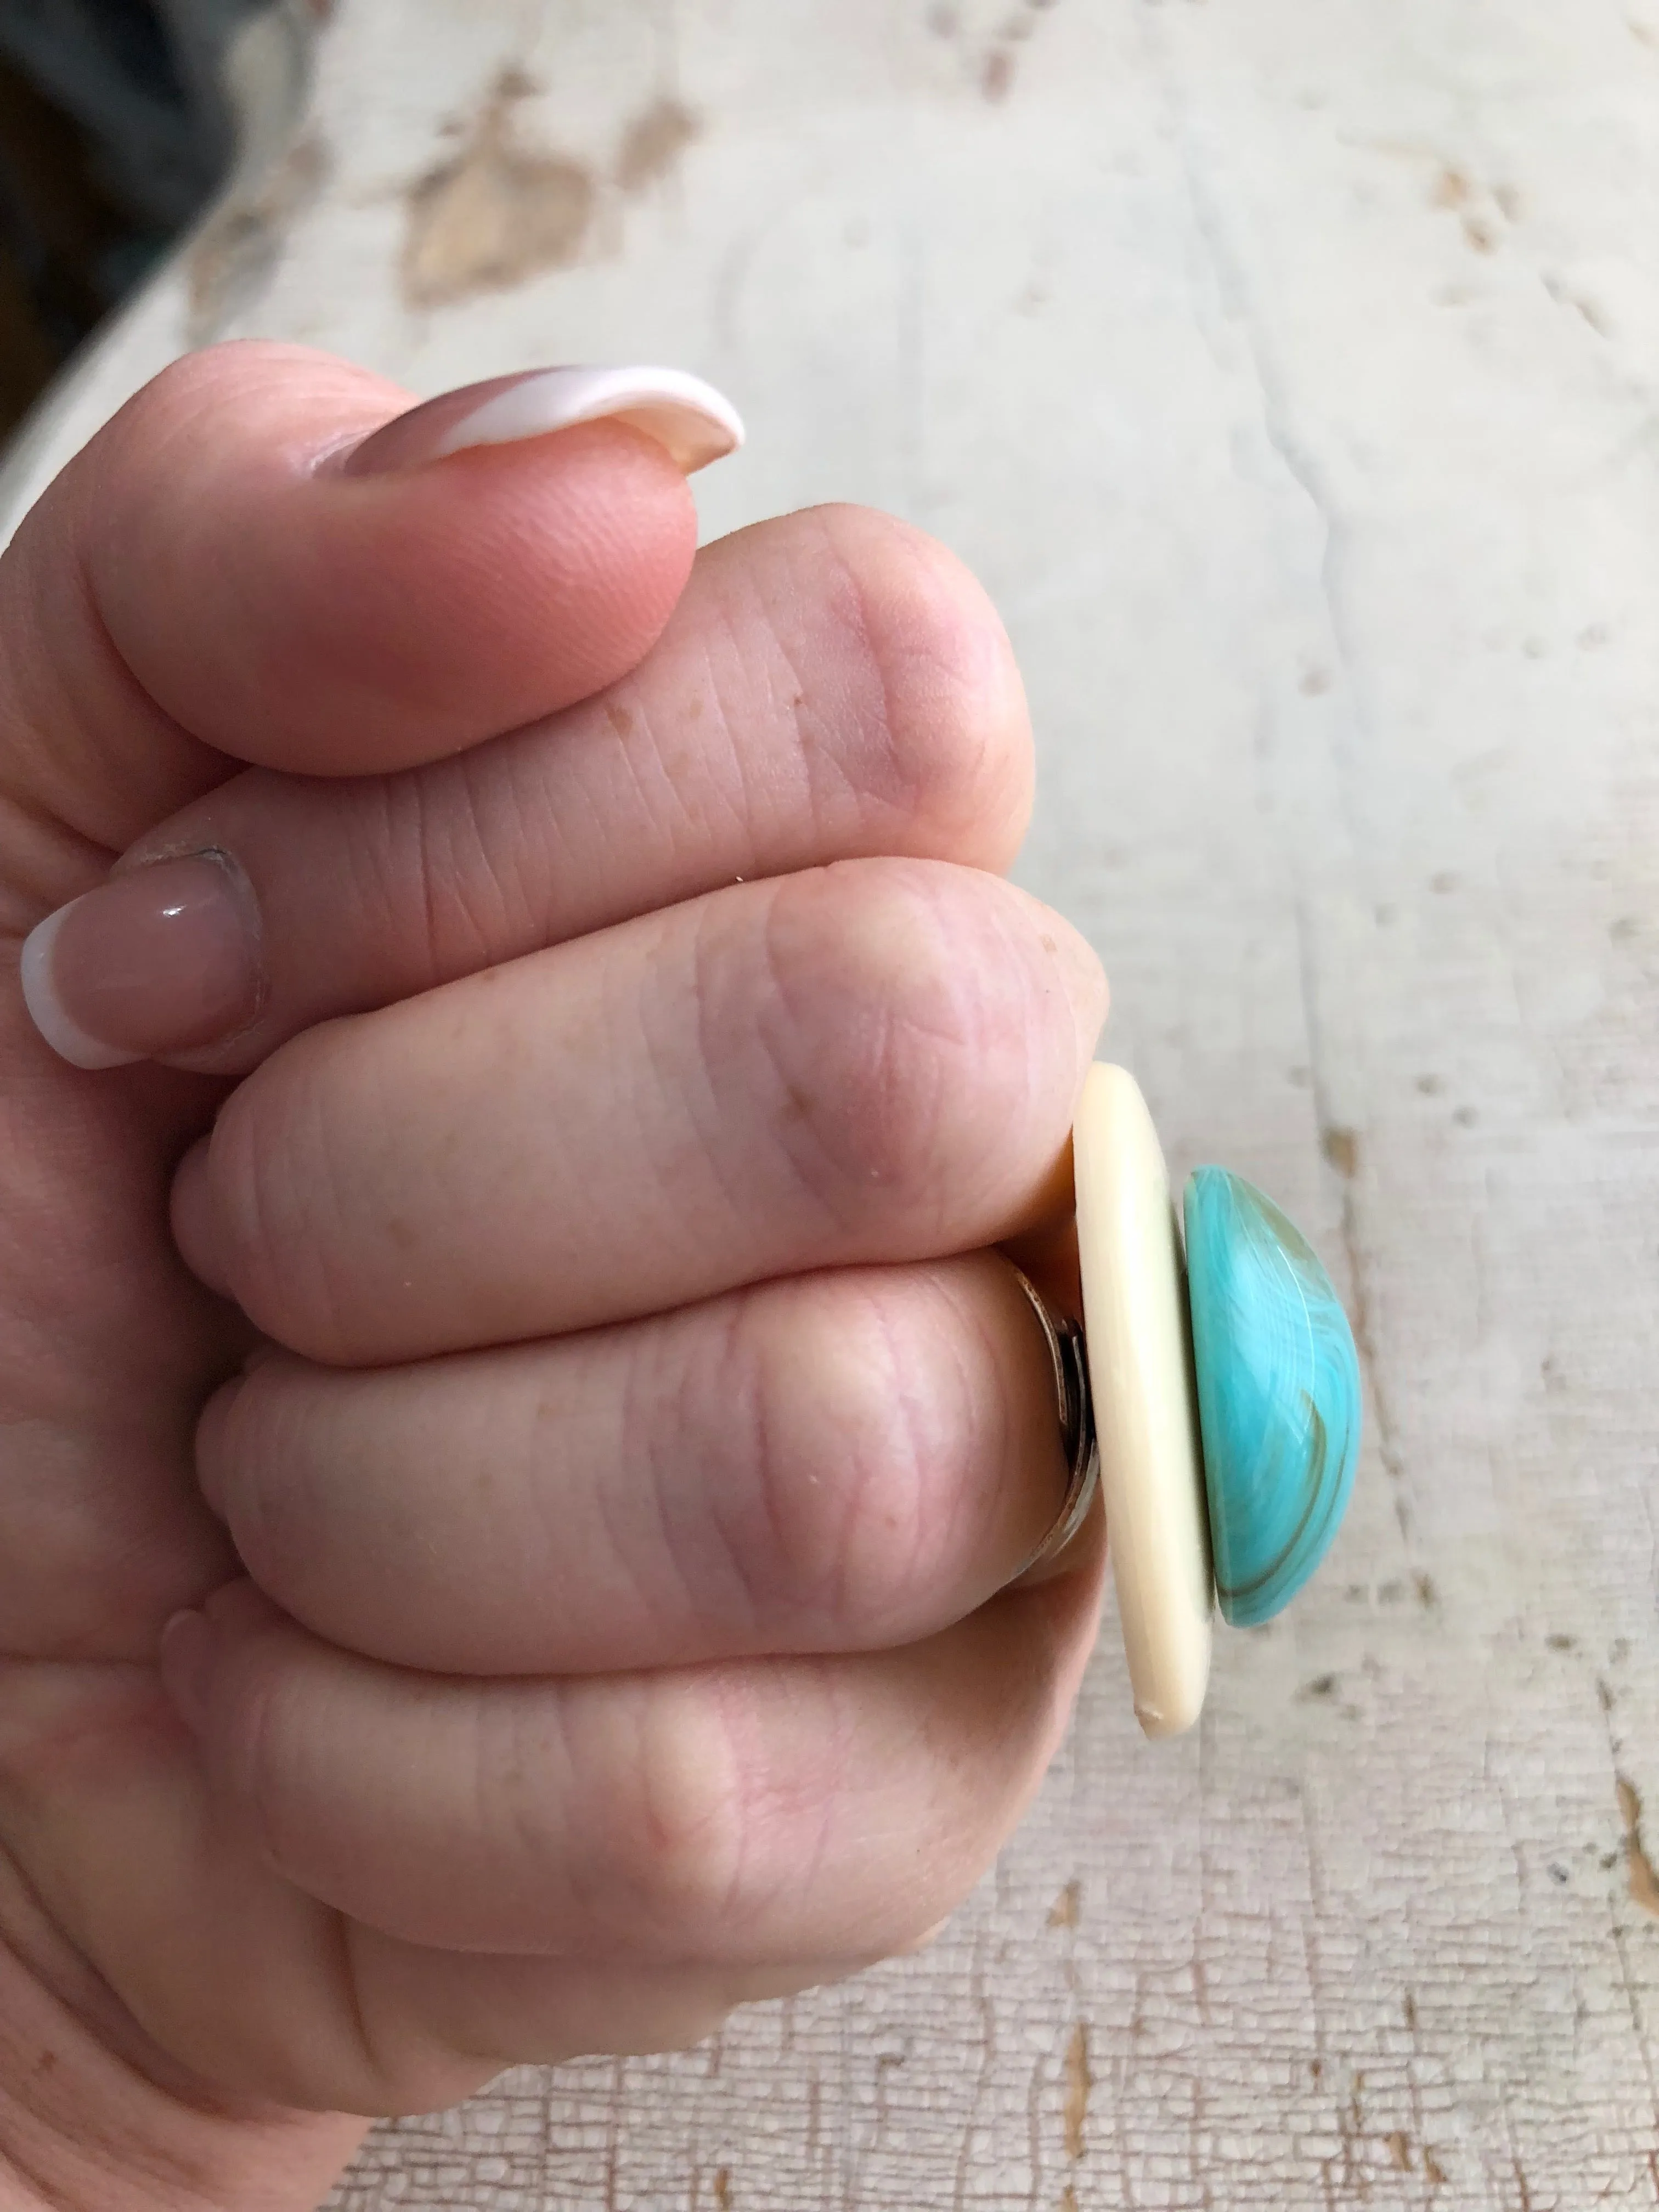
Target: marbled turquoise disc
1278,1394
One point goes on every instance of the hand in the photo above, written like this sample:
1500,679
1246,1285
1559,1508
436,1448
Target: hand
595,1590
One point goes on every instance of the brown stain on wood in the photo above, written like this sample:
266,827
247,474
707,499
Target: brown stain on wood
1078,2082
242,241
496,212
1341,1148
996,78
1063,1913
1643,1882
652,143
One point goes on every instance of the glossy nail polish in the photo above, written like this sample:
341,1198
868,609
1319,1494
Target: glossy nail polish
692,422
160,960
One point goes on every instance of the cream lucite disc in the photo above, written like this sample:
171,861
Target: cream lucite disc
1134,1311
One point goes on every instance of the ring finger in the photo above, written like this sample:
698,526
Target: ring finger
836,1462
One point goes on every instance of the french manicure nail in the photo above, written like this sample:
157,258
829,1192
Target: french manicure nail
694,423
161,960
185,1661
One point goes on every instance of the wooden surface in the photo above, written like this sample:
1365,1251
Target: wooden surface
1290,373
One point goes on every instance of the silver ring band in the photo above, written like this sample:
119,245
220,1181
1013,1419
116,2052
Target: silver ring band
1075,1408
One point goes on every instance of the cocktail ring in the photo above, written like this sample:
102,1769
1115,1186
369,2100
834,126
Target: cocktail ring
1225,1391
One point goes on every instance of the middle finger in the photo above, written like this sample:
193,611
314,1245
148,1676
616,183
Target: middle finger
870,1062
842,1461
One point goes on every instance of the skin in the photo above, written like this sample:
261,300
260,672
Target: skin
601,1589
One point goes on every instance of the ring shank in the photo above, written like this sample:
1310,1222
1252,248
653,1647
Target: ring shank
1074,1406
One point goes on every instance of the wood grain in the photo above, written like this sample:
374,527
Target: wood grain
1291,375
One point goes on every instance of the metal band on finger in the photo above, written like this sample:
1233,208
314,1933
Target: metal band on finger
1075,1409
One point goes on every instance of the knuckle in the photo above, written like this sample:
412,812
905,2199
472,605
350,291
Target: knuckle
261,1733
239,1174
937,743
391,868
687,1828
900,1025
845,1524
281,1188
257,1453
462,861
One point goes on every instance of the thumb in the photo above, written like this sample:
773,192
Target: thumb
247,562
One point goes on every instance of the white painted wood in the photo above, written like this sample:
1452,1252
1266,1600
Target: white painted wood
1290,373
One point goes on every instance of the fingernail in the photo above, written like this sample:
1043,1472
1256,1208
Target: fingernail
185,1661
161,960
693,422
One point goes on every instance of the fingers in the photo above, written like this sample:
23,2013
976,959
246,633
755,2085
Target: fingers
871,1062
832,684
764,1810
838,1463
441,2023
209,575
